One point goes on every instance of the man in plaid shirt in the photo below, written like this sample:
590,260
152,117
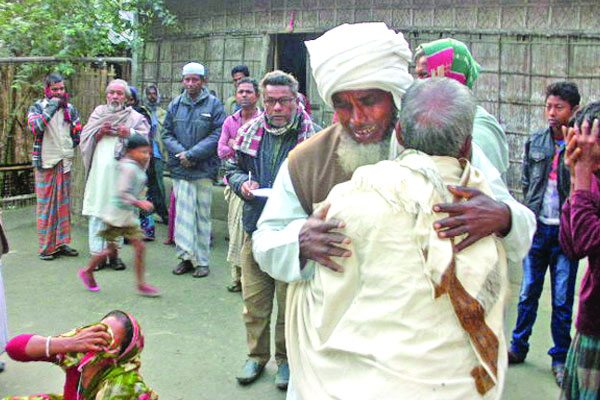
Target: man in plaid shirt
55,125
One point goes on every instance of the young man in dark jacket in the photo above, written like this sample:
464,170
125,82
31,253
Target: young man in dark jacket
190,134
261,146
546,185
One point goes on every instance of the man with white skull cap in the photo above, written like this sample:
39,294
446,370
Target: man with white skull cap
190,133
361,70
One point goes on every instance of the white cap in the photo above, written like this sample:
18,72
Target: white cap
193,68
359,56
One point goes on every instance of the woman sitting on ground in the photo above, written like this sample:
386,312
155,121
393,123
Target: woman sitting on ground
102,361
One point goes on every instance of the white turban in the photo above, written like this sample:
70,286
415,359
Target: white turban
360,56
193,68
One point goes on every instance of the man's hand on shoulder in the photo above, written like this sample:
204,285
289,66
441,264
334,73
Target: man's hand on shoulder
319,244
478,217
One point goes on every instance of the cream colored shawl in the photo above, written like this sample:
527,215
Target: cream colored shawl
401,321
101,114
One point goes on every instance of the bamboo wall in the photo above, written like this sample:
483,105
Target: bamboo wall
163,60
523,45
15,144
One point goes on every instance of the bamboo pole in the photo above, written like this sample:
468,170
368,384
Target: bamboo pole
22,60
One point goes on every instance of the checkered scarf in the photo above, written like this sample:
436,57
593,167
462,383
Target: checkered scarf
250,135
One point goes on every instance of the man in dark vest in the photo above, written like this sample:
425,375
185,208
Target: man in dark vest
361,70
55,125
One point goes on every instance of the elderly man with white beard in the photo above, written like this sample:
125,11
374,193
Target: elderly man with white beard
361,70
381,319
102,144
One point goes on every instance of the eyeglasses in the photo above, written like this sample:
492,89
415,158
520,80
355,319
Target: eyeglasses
283,101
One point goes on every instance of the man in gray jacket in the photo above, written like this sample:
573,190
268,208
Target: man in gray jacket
190,134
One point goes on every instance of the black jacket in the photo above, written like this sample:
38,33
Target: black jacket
193,126
264,168
537,162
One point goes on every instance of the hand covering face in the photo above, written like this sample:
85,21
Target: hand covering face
117,376
360,56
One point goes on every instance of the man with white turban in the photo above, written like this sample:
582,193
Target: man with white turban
361,70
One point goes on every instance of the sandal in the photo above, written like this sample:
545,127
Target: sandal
101,265
90,284
148,290
234,287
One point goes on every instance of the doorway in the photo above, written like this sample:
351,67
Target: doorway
291,56
288,53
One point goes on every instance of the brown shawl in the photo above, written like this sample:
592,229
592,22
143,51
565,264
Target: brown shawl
314,167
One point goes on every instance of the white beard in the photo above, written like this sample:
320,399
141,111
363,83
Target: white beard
352,154
115,106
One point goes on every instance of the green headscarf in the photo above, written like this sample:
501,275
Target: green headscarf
118,376
450,58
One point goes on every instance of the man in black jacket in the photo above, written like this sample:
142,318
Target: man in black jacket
546,185
261,146
190,134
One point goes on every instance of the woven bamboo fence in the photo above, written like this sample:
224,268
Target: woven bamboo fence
86,89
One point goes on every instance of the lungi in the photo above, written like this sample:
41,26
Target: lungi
172,215
52,189
192,222
156,188
147,223
582,369
236,232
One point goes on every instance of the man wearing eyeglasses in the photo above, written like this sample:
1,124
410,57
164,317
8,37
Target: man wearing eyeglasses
260,147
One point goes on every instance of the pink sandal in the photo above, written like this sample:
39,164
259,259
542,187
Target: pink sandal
92,287
148,290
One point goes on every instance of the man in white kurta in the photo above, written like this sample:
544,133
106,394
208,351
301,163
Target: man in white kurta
277,241
405,302
380,330
102,144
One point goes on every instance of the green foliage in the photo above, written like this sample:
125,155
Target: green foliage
76,28
66,29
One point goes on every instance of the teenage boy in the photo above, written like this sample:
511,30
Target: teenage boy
546,184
